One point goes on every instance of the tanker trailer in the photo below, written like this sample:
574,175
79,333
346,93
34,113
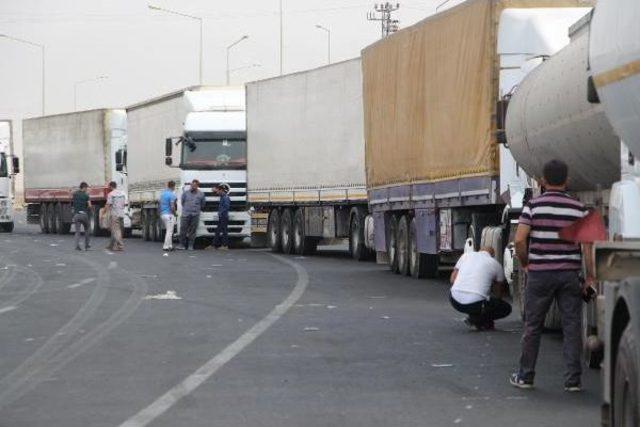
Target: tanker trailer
557,113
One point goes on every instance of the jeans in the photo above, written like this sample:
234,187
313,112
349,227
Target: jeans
222,234
82,218
483,312
169,221
116,225
188,228
541,289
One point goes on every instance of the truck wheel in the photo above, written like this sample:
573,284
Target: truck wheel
356,236
626,407
403,246
431,265
302,244
97,231
146,225
59,219
392,244
417,261
154,226
52,216
286,231
44,222
273,231
159,228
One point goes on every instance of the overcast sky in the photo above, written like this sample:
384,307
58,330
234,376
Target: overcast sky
146,53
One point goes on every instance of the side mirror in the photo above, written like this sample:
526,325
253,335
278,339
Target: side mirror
15,165
168,147
592,92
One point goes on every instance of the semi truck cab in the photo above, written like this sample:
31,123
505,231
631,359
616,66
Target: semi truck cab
9,166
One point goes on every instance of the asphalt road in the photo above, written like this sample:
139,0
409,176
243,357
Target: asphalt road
251,339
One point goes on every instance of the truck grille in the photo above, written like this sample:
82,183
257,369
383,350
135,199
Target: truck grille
238,195
233,227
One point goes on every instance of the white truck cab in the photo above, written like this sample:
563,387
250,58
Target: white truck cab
9,166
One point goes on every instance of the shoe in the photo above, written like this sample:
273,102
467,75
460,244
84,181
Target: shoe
78,248
489,326
517,381
573,388
166,249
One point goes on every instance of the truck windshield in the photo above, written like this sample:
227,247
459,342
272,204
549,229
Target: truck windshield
214,153
3,165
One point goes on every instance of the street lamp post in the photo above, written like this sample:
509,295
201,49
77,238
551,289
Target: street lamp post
75,88
228,49
197,18
41,46
328,31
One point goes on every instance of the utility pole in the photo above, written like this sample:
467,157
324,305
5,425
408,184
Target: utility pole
281,38
383,13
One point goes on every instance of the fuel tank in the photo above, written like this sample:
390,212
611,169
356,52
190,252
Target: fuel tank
550,117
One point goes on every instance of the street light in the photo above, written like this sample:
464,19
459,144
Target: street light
229,48
41,46
320,27
173,12
75,88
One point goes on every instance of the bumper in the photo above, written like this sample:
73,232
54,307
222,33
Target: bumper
239,224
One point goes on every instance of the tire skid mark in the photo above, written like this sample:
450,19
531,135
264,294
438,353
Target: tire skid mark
24,294
56,358
10,385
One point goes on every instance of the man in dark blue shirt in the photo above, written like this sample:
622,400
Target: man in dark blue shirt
221,240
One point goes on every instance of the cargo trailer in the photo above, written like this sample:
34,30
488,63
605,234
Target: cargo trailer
63,150
306,159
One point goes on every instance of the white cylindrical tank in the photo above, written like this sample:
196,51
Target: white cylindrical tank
550,117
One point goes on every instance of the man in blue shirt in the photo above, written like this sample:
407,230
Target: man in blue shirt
168,214
221,240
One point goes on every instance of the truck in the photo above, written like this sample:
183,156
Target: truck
583,106
9,167
61,151
440,178
195,133
306,164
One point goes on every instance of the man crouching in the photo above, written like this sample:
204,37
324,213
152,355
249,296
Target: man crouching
472,278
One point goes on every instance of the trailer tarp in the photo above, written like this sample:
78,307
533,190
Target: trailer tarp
429,96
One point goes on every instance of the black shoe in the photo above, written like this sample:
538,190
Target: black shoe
517,381
78,248
573,387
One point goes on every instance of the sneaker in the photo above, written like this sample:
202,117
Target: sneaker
78,248
573,388
517,381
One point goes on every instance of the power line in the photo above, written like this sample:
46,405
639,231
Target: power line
383,13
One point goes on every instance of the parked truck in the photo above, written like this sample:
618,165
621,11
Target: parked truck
438,177
583,106
306,159
9,167
60,152
196,133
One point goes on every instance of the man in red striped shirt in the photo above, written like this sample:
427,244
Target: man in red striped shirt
553,266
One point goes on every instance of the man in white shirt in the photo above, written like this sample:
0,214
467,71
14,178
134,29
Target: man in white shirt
116,202
473,277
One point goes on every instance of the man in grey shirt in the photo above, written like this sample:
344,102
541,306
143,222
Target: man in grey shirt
192,201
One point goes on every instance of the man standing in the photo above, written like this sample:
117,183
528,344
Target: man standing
221,240
193,202
472,278
168,214
81,209
552,267
116,201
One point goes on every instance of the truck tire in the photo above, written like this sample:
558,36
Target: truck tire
273,231
159,227
97,231
302,245
146,225
357,247
154,226
52,218
286,231
7,227
63,228
403,246
44,222
392,243
626,405
417,261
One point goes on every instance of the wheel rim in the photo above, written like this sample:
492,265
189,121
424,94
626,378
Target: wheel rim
297,235
273,230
